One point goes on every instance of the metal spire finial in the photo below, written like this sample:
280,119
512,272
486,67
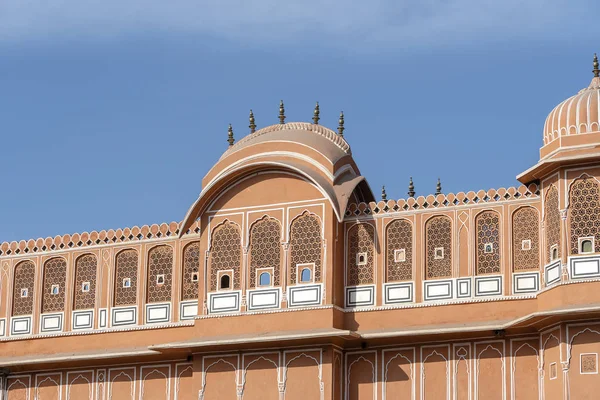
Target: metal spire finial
230,138
341,125
252,125
316,114
411,188
438,187
596,70
281,112
383,193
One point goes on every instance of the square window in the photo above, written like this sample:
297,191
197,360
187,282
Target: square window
586,245
127,282
85,287
194,277
488,248
24,292
160,279
553,371
589,363
400,255
554,252
225,279
438,253
55,290
304,273
526,245
361,259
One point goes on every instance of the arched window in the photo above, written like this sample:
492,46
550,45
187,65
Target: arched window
552,224
487,225
305,276
265,248
584,215
225,282
84,290
305,245
526,239
189,278
265,279
23,288
361,250
160,274
225,254
126,276
398,246
55,277
438,237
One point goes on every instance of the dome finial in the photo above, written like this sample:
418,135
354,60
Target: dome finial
438,187
596,70
316,114
230,138
252,125
411,188
281,112
341,125
383,193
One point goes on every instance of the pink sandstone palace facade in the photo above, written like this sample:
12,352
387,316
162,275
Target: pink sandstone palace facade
287,279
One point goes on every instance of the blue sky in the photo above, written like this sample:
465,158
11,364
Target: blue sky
112,111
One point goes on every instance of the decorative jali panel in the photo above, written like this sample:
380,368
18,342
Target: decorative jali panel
305,244
584,212
552,222
85,271
160,274
191,263
438,236
487,226
265,248
225,253
361,249
55,278
24,279
399,251
526,239
126,268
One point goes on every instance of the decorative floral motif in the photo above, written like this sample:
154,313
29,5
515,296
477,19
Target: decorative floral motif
588,363
265,248
191,263
552,222
24,279
399,236
487,225
525,227
584,212
438,233
225,253
360,241
305,244
55,274
85,271
126,268
160,263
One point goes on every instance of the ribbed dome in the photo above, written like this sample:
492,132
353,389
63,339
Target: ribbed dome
577,115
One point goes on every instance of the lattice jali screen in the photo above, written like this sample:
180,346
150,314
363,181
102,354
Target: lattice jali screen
361,240
24,279
191,264
552,222
126,268
584,212
487,228
160,262
85,271
438,235
225,253
55,273
399,237
305,245
526,227
265,248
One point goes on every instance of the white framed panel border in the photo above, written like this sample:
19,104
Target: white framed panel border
552,273
266,298
82,319
225,301
488,285
398,292
122,316
304,295
188,309
158,312
359,296
525,282
583,267
51,322
438,289
20,325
